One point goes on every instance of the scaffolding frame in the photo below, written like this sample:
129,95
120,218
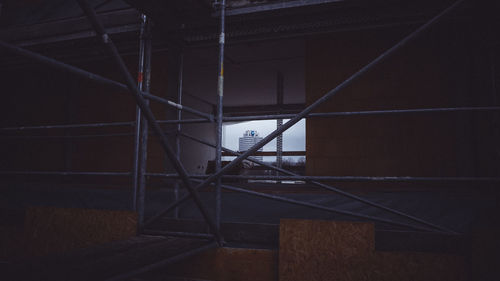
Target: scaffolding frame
145,120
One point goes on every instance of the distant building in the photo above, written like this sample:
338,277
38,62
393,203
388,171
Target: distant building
250,137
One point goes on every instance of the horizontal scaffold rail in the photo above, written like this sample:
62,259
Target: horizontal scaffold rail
97,78
61,173
364,113
341,178
268,117
323,208
309,109
148,114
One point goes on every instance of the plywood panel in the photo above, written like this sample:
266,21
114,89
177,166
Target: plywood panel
344,251
323,250
55,230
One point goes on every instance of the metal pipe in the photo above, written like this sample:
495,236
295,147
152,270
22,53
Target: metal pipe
70,126
367,179
280,93
220,97
184,121
167,209
269,117
209,117
320,207
362,113
43,173
180,81
329,94
161,264
315,105
199,99
66,137
143,149
179,234
95,77
333,189
327,187
339,178
148,114
138,119
60,65
333,114
343,114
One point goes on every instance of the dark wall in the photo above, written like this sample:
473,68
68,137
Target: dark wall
39,95
448,66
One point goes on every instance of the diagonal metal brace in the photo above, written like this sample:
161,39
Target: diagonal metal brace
97,78
331,188
355,77
148,114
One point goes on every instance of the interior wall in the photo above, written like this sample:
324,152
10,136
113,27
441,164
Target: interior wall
446,67
249,79
39,95
250,71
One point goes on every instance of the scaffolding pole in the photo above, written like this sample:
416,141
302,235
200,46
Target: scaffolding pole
337,178
60,173
321,100
269,117
280,92
180,81
70,126
138,119
143,152
220,106
327,187
67,136
363,113
163,263
96,78
148,114
320,207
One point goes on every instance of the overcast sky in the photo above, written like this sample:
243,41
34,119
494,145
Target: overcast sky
294,139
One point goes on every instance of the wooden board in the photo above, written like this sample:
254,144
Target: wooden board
51,230
322,250
266,236
344,251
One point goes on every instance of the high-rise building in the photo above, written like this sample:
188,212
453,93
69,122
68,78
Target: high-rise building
250,137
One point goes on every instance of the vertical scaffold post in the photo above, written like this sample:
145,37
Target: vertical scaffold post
179,128
138,117
279,122
220,95
143,153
